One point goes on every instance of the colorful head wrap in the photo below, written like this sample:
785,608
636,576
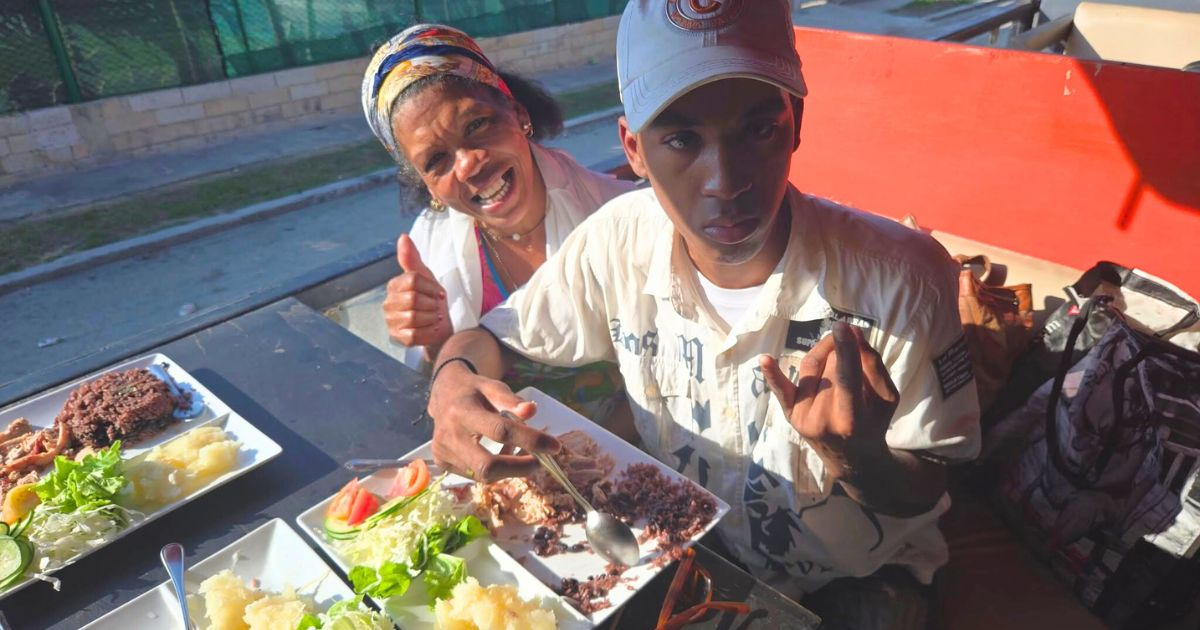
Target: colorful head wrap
419,51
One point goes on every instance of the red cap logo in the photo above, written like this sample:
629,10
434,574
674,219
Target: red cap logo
702,15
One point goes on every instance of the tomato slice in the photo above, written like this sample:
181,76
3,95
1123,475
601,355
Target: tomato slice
410,480
365,504
342,501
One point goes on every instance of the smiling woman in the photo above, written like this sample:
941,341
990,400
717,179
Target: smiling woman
464,136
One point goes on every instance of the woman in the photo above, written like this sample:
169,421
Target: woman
498,203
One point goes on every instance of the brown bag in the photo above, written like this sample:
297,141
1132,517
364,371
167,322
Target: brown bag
997,321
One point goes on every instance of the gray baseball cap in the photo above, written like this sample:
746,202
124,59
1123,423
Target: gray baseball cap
667,48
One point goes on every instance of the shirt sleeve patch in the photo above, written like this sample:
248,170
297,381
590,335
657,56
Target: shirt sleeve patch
953,368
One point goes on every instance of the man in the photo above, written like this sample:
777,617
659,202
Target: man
720,283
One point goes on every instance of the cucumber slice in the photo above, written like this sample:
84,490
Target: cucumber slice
21,525
15,556
337,529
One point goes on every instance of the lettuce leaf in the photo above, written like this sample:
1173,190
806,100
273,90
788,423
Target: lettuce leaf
430,559
87,485
443,573
391,579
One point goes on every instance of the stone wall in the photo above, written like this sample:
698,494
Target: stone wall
66,137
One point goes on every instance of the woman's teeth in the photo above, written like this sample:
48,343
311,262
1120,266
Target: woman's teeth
496,191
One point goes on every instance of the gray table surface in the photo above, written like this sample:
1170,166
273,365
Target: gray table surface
325,396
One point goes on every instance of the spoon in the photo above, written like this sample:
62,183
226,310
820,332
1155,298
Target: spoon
611,538
172,559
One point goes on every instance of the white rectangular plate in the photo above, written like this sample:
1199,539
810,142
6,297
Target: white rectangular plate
515,541
256,448
273,554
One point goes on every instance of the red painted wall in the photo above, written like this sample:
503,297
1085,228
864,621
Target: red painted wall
1066,160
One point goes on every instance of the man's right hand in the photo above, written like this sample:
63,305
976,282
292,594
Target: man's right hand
464,407
415,308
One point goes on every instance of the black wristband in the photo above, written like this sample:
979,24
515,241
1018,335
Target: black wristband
438,370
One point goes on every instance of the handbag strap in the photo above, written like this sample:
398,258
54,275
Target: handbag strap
1151,346
1122,276
1087,478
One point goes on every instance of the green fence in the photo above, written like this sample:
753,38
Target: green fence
67,51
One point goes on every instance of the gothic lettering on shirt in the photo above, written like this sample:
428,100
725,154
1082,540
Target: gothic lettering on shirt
702,415
691,352
633,344
758,382
684,453
636,345
650,343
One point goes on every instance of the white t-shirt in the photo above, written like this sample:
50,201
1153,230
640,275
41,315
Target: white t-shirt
620,289
446,240
730,304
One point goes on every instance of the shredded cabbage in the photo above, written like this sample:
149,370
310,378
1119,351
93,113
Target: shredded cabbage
395,537
60,536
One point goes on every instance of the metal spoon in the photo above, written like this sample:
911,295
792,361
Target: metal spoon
611,538
172,559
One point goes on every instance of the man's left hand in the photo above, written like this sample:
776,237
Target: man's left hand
844,400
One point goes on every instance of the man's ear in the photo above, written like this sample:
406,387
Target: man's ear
797,118
629,142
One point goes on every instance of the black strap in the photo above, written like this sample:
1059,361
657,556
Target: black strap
443,364
1126,278
1149,347
1091,474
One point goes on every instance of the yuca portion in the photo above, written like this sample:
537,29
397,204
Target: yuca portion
182,466
225,600
496,607
231,605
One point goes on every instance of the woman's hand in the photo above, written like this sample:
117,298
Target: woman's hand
416,309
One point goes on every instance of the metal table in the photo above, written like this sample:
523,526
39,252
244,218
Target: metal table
325,396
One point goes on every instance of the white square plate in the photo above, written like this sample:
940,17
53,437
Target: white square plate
273,554
515,541
256,448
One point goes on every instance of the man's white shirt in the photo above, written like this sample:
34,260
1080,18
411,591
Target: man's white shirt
622,289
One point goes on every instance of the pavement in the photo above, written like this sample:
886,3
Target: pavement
66,191
57,320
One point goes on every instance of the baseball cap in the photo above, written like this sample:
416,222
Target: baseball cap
667,48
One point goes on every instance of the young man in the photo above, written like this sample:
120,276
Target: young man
718,285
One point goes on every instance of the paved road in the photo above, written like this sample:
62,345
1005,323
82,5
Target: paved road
123,298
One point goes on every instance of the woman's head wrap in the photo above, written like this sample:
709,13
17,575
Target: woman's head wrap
419,51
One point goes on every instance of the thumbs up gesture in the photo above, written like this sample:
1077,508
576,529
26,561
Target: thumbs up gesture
416,309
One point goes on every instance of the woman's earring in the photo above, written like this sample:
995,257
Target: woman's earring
528,129
437,206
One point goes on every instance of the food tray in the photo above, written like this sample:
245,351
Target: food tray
256,448
274,554
514,542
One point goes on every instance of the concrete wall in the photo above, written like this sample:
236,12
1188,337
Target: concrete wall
62,138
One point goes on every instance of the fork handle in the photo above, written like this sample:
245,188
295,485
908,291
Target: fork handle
555,471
